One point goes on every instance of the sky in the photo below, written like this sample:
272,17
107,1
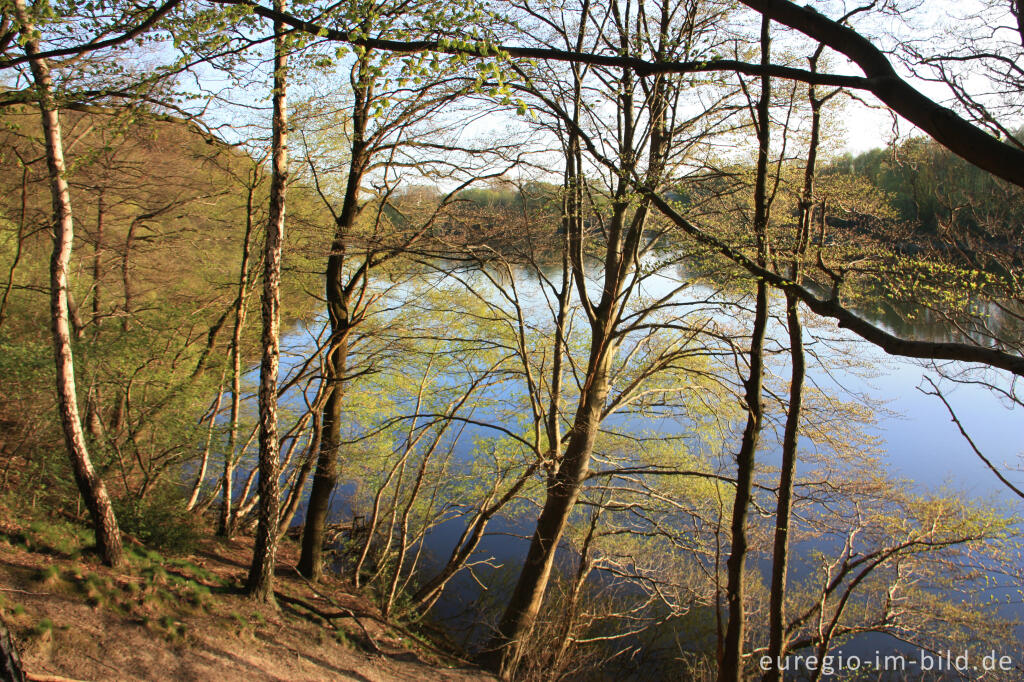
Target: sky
866,128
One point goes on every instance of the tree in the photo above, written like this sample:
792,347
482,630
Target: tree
227,516
732,654
260,582
394,130
10,660
646,141
790,443
609,96
999,158
91,487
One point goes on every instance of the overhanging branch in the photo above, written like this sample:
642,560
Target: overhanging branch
832,308
944,125
483,49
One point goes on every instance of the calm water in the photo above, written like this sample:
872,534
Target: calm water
916,436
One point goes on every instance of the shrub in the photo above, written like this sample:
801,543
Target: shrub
159,520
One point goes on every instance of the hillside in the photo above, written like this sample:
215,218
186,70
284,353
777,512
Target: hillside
184,618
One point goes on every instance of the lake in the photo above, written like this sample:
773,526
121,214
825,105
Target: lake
914,434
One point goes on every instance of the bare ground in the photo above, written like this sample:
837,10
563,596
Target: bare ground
185,619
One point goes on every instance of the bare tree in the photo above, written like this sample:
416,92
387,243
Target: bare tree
791,436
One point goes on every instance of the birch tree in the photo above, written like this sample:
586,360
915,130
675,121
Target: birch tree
90,485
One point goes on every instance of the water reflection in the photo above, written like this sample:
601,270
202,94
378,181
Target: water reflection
915,437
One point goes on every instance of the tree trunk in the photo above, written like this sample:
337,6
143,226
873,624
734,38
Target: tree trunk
197,487
732,663
90,485
295,495
564,484
19,245
731,669
571,610
784,508
119,417
225,524
92,414
10,661
783,511
97,264
260,584
93,401
431,590
126,277
562,491
338,294
326,476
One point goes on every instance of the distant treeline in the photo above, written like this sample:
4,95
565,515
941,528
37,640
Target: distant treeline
937,193
934,194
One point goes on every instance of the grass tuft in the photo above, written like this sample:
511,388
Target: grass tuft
43,626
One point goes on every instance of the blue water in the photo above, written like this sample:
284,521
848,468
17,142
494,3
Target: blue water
916,439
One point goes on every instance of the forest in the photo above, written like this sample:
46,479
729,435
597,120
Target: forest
560,340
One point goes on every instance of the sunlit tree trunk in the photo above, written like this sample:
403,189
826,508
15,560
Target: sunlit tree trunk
563,484
563,489
260,584
624,234
90,485
225,524
193,498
